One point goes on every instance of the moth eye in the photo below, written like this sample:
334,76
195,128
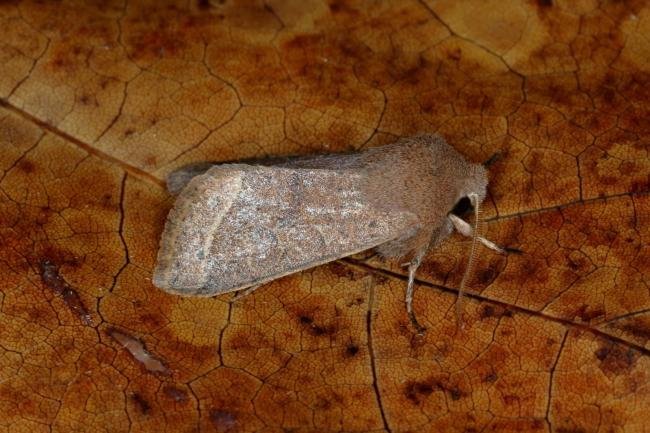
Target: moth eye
462,206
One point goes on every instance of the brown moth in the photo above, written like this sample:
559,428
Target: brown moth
237,226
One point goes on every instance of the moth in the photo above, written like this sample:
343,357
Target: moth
236,226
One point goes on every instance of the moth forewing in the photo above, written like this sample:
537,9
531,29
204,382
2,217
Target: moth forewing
238,225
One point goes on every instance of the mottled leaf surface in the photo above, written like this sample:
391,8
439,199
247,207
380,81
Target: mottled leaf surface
100,100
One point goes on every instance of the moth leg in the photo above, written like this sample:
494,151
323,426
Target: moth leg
465,229
413,267
239,294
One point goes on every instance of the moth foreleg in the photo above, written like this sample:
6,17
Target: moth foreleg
465,229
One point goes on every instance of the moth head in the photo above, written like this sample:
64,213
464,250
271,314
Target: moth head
474,188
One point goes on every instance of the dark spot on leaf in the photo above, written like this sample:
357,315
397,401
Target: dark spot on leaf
176,394
573,265
315,328
486,311
454,54
342,7
414,391
153,321
26,166
537,424
615,359
157,43
323,403
636,328
142,404
601,353
640,186
53,280
436,269
492,377
223,421
587,315
43,216
356,301
486,276
351,350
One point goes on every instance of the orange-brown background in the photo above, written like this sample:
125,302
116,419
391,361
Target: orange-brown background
101,99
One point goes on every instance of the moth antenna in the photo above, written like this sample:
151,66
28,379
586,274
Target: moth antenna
470,263
413,267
